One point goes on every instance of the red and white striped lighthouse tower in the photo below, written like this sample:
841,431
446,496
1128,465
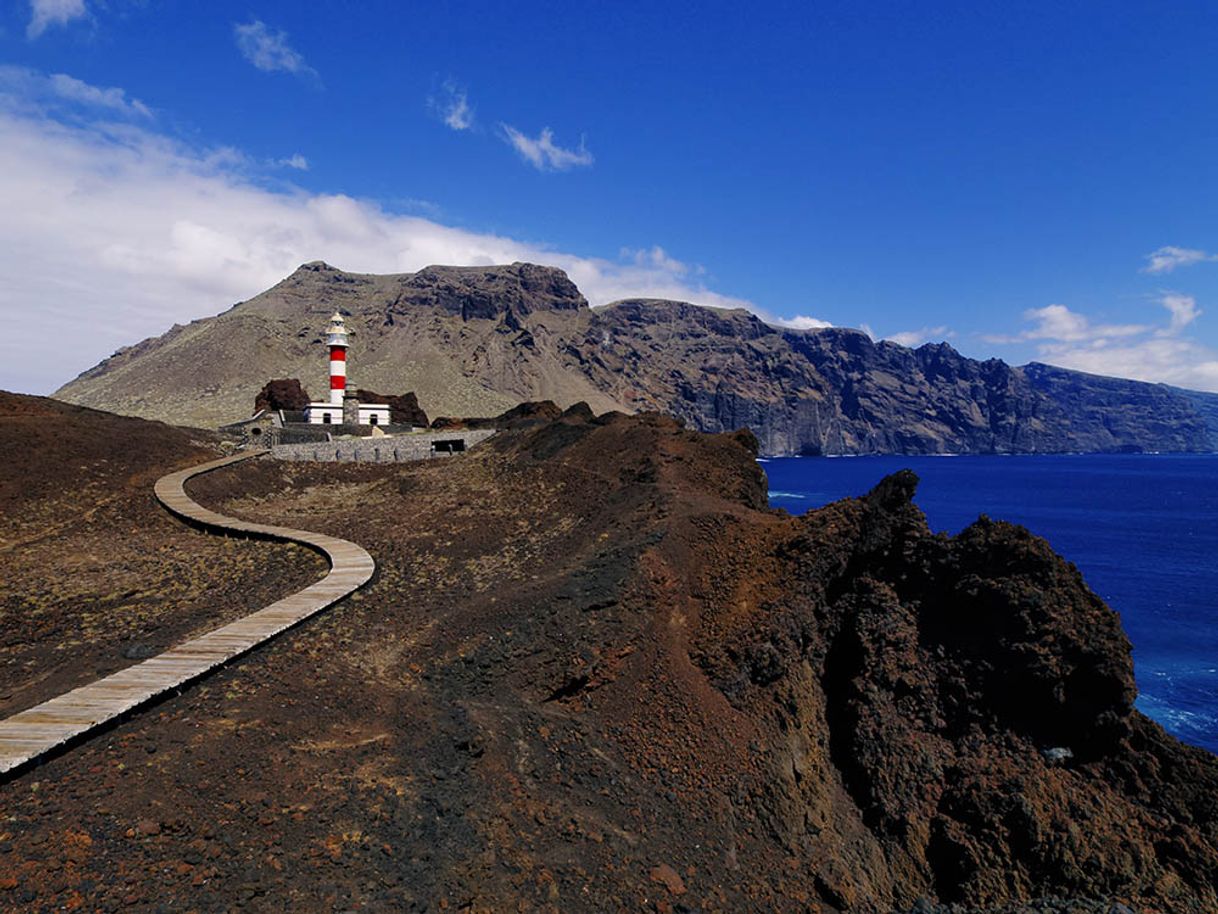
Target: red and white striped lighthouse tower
336,337
342,409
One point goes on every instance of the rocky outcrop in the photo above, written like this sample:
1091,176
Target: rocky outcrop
488,293
975,700
475,341
931,717
898,715
521,416
403,409
285,393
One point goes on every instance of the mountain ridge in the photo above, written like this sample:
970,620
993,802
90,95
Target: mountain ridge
480,340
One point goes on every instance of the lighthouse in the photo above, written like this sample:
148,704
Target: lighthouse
341,408
336,339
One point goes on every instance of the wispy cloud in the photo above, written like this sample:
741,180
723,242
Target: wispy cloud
798,322
1161,359
912,338
119,231
451,105
543,153
1183,310
1146,352
47,13
268,49
656,256
1059,324
115,99
297,161
1167,259
63,93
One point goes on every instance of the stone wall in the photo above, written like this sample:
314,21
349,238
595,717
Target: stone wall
390,449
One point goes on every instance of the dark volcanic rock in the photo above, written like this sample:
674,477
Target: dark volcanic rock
974,700
286,393
489,292
403,409
521,416
525,413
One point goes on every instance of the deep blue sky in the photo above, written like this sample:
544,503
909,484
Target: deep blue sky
938,167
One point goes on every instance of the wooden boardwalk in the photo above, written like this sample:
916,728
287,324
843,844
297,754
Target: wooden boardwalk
31,734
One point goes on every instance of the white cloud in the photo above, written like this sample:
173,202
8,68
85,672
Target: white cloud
297,161
46,13
452,106
543,154
116,99
1183,310
62,93
1140,351
1168,258
656,256
799,322
912,338
1059,323
114,232
1165,359
268,49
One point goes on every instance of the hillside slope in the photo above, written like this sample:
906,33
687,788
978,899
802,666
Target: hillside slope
478,340
96,574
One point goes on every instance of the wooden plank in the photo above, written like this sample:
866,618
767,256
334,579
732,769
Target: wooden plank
28,736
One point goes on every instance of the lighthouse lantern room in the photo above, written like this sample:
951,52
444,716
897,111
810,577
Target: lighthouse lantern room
341,408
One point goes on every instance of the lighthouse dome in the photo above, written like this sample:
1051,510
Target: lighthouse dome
336,333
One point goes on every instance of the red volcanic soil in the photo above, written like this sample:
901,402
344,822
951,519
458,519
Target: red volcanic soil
596,673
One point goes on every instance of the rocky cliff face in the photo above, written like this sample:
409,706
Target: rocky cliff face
478,340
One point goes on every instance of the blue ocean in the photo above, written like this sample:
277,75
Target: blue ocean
1142,529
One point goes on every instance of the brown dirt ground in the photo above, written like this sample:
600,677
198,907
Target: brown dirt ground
595,673
96,573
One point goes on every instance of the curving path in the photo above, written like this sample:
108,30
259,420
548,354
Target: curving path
31,734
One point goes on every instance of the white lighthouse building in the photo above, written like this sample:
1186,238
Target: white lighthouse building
342,409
